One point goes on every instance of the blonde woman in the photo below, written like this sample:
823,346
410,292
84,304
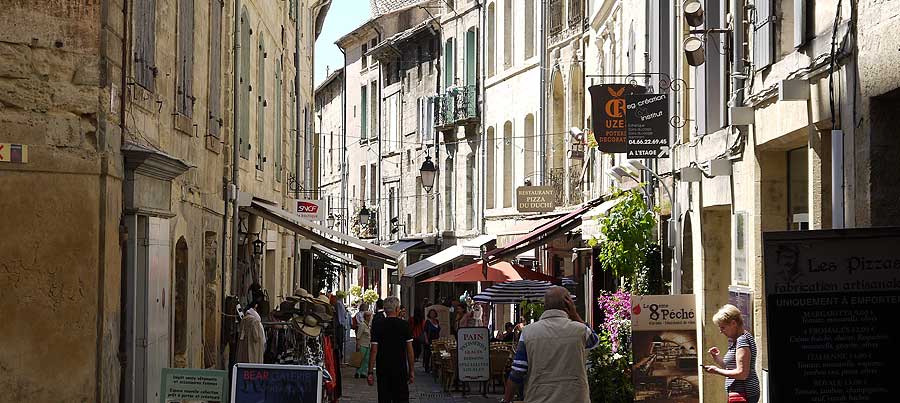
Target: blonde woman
738,365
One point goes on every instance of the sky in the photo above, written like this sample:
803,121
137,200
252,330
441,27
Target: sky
343,17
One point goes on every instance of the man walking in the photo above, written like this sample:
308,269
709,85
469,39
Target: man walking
391,357
551,354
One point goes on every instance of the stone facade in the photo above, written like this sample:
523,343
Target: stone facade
128,122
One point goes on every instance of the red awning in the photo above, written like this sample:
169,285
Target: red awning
543,233
498,272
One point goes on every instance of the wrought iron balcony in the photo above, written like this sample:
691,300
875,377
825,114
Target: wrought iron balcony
456,106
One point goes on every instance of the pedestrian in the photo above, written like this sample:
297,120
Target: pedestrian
432,333
417,326
509,333
551,354
363,308
738,364
379,312
392,357
364,342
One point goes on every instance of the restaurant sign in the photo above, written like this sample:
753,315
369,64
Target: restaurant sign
535,199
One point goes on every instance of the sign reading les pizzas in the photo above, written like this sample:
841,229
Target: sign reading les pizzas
608,115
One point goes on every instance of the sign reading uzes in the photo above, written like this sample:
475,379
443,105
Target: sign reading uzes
535,199
311,209
608,115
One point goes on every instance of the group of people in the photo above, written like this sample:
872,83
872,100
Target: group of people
550,354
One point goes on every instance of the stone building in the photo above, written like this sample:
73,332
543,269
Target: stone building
125,120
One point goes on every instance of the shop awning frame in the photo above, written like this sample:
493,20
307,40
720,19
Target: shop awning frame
323,235
542,233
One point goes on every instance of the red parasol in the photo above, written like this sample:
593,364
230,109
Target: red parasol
497,272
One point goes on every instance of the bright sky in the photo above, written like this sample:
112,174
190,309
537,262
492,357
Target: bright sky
343,17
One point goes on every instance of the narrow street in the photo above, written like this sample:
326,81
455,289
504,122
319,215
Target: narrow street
425,389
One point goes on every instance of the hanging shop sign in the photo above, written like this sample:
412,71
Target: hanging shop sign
183,384
311,209
831,309
608,115
664,346
473,348
647,125
535,199
252,383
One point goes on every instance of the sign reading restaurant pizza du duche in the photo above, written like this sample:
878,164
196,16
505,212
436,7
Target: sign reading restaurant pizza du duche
664,345
535,199
647,125
608,115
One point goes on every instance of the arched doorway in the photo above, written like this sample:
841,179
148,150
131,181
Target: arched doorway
181,290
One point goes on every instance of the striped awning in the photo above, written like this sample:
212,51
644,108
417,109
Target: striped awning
514,292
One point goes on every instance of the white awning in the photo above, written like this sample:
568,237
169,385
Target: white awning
589,226
439,259
332,254
322,235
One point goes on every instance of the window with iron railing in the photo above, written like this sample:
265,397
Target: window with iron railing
576,14
556,16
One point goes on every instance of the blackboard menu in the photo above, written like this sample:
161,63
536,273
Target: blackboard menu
270,383
831,300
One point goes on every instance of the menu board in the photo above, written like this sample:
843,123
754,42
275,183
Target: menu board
664,344
831,300
271,383
473,348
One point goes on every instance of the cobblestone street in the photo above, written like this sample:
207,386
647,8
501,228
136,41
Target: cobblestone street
425,389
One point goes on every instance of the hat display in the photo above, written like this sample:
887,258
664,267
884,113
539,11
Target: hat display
308,326
302,293
321,313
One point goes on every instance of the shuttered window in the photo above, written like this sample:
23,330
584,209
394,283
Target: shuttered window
279,137
261,106
763,34
293,133
244,95
184,97
145,43
214,100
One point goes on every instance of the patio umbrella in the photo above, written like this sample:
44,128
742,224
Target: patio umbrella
497,272
513,292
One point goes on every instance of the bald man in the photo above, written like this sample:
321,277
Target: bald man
552,354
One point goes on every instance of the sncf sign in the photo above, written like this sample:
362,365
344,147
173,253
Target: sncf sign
310,209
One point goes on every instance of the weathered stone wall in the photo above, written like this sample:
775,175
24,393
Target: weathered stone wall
59,254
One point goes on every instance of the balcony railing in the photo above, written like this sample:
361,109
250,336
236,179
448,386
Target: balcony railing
458,105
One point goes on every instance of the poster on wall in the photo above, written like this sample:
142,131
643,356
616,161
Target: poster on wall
608,115
831,309
664,345
271,383
182,384
473,349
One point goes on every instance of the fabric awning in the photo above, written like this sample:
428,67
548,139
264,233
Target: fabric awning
402,246
324,236
542,233
497,272
334,255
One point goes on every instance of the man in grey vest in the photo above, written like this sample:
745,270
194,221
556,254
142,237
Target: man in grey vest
552,354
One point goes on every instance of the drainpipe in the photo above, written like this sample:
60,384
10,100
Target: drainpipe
344,204
235,155
482,95
543,94
297,159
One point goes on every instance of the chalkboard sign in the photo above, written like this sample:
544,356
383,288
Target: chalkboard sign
473,347
831,302
270,383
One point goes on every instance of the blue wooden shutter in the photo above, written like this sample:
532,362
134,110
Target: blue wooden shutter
763,34
214,100
145,43
184,99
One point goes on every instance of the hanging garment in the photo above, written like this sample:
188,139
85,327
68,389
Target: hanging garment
329,363
252,343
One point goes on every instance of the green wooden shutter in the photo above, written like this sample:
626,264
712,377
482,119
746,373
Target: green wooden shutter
244,95
261,106
278,116
471,57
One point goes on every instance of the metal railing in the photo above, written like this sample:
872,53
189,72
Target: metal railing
455,105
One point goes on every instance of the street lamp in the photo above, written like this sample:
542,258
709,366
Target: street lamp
258,246
427,172
364,215
330,220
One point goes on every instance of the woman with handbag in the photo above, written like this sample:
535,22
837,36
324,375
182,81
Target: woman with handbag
364,342
738,364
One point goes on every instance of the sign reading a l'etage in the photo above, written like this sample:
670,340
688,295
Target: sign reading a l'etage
832,299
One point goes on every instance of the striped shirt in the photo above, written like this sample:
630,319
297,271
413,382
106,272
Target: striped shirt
520,360
748,387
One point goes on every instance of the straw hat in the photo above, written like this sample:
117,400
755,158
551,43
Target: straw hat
308,326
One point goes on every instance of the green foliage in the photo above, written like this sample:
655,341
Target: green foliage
531,310
628,237
609,374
